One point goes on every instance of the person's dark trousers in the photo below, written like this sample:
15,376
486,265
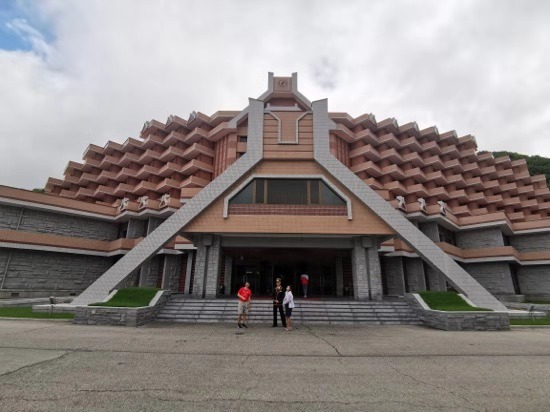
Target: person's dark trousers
281,312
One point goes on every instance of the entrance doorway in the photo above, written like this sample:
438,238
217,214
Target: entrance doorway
261,266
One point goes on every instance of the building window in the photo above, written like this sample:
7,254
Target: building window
122,230
287,192
446,235
243,139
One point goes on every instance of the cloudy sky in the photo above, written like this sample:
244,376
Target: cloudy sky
80,72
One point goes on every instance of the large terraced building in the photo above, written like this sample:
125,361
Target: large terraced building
283,187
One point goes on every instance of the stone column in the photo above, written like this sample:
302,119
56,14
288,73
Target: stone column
395,277
228,274
436,282
375,272
430,229
415,274
201,262
188,273
170,272
145,273
212,281
359,268
153,223
339,277
136,228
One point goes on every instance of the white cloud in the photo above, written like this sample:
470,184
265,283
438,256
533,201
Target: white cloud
107,66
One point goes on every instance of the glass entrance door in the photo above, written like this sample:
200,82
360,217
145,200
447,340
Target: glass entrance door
261,266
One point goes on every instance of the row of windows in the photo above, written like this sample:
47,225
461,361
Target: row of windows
287,192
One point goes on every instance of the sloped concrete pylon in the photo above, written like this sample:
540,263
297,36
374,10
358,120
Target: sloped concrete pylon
155,241
419,242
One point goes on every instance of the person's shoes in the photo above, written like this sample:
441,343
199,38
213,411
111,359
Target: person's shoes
244,326
239,325
273,326
287,329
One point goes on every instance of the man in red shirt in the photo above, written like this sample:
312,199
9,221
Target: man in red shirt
244,295
305,280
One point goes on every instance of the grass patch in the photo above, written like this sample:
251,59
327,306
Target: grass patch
541,321
130,298
449,302
26,312
539,301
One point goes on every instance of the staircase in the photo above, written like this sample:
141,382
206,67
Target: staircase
185,309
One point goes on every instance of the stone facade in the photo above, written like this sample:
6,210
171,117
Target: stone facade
534,280
435,280
474,239
375,272
394,275
37,221
171,272
430,229
494,276
202,244
149,272
9,217
414,272
360,270
46,271
212,272
530,243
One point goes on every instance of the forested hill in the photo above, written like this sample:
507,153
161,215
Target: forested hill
537,165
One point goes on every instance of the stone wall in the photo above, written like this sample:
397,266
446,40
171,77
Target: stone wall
494,276
102,315
534,280
540,308
149,272
530,243
359,270
393,275
56,224
9,217
459,321
430,229
172,270
436,281
473,239
414,271
30,270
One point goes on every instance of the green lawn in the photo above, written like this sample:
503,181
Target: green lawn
539,301
541,321
27,312
130,298
448,301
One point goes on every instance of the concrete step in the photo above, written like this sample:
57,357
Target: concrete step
298,322
185,309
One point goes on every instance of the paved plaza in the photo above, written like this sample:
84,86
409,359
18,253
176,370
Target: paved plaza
54,365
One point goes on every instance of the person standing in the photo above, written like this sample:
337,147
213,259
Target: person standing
305,280
278,297
288,303
244,294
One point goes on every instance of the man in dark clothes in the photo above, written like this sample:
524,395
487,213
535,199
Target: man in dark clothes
278,296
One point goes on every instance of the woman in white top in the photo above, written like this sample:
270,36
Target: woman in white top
288,303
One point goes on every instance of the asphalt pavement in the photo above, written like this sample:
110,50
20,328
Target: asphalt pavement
56,366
